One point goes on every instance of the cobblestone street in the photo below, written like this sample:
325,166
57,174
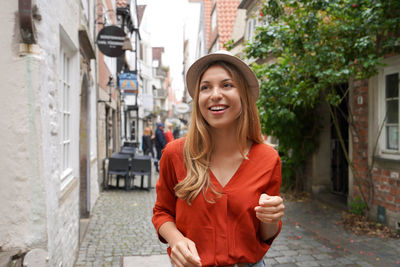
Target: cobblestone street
311,236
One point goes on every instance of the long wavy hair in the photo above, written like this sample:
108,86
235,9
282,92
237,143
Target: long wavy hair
199,145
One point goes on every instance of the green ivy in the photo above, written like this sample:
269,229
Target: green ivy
316,44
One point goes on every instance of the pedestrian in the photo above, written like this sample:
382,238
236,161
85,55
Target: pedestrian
160,142
218,200
168,134
147,144
176,132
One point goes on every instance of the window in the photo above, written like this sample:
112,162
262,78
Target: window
67,89
65,83
213,19
251,28
391,83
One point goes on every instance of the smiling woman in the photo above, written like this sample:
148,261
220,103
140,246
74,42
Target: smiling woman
218,200
219,98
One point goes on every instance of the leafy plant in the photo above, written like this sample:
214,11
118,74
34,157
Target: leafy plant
229,44
357,206
316,45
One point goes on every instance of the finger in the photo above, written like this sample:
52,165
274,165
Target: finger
178,257
270,209
271,201
188,259
263,197
176,262
195,255
269,217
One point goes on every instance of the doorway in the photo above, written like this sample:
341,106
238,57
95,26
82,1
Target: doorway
339,165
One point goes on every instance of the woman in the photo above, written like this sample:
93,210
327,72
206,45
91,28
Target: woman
218,198
147,145
168,134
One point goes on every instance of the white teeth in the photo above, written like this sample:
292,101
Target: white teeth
217,108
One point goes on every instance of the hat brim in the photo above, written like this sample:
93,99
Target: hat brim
199,65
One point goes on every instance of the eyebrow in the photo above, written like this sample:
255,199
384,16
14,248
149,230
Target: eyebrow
224,80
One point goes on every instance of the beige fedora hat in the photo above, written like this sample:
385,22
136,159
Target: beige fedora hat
221,55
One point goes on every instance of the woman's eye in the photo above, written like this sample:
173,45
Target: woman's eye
204,87
228,85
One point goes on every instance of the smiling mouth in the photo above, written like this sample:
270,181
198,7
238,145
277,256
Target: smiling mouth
218,108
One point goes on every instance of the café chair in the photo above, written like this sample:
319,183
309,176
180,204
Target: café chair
120,167
141,165
128,150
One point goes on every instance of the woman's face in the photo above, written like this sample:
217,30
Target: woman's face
219,98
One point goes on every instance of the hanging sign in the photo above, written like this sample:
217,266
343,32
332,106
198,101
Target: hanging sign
182,108
128,82
110,40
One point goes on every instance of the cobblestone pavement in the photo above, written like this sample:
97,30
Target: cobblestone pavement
311,235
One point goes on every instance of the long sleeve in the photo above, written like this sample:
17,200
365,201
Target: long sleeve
164,208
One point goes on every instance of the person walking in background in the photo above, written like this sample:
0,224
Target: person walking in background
218,200
147,144
176,132
168,134
160,142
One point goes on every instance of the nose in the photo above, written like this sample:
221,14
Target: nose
216,93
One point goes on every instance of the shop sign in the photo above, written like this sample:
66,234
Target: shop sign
128,81
182,108
110,40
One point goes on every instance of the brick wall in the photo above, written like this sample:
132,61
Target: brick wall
384,177
360,137
387,189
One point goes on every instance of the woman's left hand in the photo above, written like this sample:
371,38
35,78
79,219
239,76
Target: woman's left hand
270,209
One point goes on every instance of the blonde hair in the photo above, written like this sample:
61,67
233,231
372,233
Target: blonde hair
147,131
199,145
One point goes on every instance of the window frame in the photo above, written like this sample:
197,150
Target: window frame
214,19
391,68
67,108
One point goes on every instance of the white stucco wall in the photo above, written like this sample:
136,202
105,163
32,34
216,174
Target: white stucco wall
35,210
22,220
62,203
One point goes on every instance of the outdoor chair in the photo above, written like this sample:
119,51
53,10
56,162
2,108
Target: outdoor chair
128,150
141,165
120,167
131,144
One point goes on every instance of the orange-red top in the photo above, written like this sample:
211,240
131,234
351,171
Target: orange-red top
227,231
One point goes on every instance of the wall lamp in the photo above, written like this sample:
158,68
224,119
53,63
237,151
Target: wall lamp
110,85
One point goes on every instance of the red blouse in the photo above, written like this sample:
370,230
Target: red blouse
227,231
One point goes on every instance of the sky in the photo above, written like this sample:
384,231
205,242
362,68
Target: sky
168,22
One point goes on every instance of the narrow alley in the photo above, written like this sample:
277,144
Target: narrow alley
120,232
93,89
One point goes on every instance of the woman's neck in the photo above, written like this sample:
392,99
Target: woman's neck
225,141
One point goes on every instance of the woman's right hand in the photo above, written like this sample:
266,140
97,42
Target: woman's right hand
184,254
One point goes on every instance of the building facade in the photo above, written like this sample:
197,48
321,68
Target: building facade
49,158
372,142
217,18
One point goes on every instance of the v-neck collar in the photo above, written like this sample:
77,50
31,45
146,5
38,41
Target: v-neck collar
241,166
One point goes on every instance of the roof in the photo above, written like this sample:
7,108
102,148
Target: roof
226,12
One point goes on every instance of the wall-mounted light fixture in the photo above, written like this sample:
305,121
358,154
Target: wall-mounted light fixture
110,85
27,13
127,44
